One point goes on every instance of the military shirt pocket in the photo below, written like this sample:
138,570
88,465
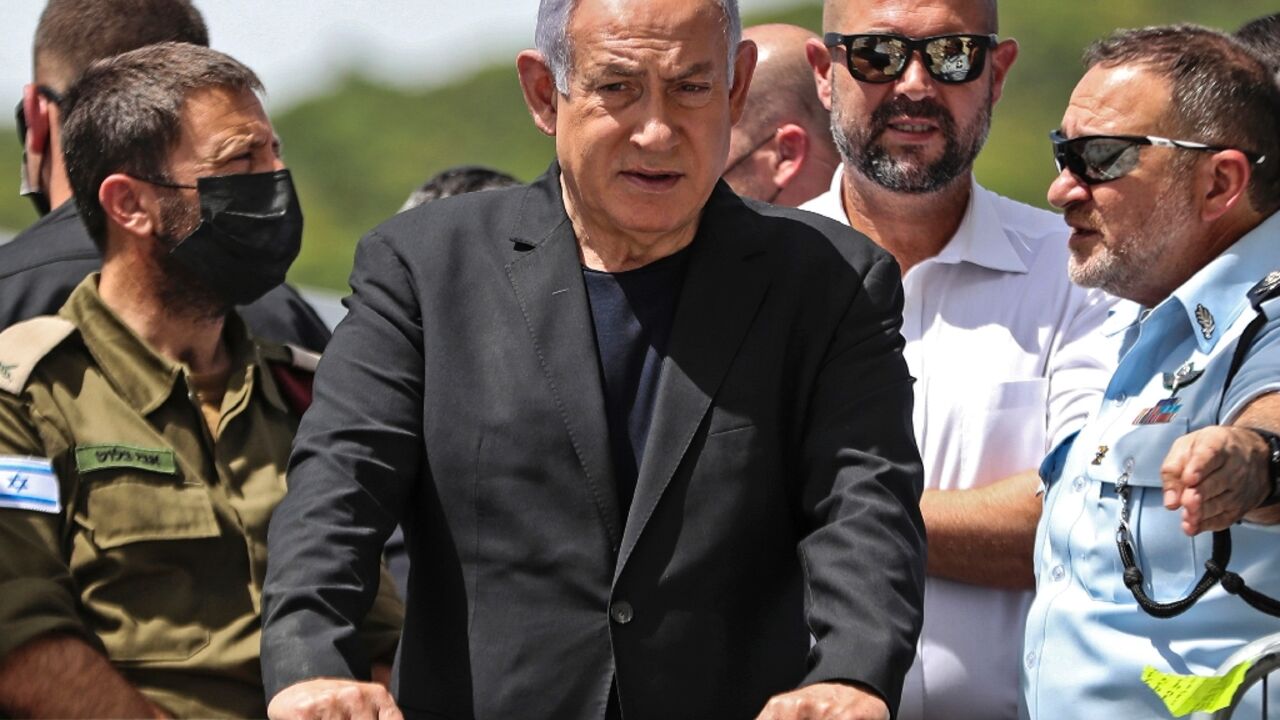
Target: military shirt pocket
1171,562
1140,451
144,548
128,511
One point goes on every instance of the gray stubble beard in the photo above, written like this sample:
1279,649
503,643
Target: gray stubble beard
861,151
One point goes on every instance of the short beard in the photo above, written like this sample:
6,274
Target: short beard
1128,266
859,146
180,291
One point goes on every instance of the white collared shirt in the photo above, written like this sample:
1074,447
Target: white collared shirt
1008,363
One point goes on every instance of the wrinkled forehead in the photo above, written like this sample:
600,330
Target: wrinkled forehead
914,18
1126,99
220,120
685,32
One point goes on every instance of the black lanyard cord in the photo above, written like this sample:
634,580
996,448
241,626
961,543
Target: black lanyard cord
1215,568
1213,573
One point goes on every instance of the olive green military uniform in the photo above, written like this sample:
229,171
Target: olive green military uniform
149,538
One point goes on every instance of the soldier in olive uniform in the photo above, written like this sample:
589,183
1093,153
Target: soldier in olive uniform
144,433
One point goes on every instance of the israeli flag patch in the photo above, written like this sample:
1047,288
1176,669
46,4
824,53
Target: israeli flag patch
28,483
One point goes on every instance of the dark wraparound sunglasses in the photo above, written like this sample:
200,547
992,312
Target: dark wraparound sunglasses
50,94
1102,158
882,58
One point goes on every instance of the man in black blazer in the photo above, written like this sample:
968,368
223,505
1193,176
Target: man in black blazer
646,439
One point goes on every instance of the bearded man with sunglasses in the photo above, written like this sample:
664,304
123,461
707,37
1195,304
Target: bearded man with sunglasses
1169,177
999,339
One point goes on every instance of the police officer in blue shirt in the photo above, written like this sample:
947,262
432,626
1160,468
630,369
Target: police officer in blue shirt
1170,180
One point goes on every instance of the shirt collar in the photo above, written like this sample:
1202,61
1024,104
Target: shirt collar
1122,316
980,239
1216,295
142,376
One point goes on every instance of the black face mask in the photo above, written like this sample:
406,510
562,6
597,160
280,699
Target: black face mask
250,231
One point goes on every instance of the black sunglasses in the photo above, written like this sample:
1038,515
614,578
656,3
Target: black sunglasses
882,58
49,94
1098,159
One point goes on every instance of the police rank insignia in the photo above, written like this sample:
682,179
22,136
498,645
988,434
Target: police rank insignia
1205,318
1163,412
1098,456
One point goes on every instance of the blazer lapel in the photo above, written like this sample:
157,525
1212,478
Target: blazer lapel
548,284
727,277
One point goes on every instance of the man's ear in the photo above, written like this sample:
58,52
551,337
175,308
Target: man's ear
1223,182
126,204
744,66
1003,55
35,108
539,87
793,151
820,60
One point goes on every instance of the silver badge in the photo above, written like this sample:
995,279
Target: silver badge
1266,285
1205,318
1269,282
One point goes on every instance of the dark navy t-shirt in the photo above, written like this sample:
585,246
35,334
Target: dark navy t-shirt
633,312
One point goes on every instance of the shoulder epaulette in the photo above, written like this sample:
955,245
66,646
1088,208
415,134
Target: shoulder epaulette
24,345
294,370
1266,289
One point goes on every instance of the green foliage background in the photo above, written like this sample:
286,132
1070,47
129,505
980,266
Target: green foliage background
357,151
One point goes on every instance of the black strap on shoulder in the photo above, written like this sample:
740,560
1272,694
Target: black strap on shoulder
1215,568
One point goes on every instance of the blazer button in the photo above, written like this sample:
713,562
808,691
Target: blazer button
621,612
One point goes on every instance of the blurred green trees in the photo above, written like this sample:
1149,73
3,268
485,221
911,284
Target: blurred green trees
357,151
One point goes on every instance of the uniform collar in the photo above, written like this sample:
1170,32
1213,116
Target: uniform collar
1122,316
979,240
1216,295
142,376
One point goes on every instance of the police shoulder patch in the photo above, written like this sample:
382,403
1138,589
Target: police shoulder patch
24,345
28,483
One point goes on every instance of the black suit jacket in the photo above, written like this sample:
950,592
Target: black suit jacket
42,265
777,496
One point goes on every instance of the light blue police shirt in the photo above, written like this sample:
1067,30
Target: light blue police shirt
1086,639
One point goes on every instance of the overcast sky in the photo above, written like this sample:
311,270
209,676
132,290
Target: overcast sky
298,47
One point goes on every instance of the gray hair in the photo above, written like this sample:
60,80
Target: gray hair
552,36
1223,93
